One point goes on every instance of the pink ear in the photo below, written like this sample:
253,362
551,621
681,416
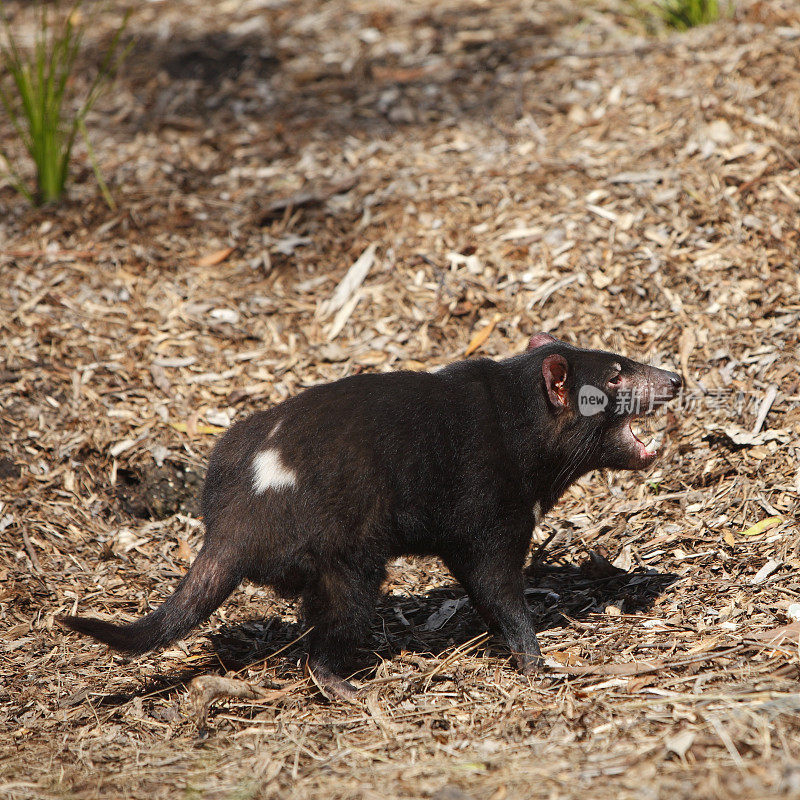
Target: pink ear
540,339
554,372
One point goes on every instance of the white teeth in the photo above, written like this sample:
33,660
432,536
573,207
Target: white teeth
655,443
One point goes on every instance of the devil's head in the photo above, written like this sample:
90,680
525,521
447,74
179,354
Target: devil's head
591,398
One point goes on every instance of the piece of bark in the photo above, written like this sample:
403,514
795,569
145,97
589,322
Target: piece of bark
204,689
305,197
616,670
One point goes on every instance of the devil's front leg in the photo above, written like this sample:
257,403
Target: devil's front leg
491,572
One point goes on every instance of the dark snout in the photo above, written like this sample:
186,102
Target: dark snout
671,380
664,384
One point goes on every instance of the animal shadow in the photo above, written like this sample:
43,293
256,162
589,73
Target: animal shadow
425,624
443,618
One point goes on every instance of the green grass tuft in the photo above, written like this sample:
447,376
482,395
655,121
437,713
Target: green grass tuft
34,93
685,14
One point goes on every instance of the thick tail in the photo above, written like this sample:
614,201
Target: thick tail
203,589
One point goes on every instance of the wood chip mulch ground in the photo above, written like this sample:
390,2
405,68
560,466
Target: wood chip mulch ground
474,172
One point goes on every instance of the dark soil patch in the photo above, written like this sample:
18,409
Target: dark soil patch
152,492
9,469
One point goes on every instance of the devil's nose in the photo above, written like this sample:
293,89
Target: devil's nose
675,380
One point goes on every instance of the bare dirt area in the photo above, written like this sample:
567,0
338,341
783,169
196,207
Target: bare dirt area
503,168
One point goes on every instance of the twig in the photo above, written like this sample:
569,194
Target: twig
31,553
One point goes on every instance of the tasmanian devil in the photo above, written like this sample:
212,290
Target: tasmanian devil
314,496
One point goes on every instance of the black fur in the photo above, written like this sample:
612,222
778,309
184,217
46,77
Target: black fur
457,463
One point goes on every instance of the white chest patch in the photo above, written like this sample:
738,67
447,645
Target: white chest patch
269,472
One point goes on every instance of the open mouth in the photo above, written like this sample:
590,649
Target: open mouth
626,448
643,453
625,442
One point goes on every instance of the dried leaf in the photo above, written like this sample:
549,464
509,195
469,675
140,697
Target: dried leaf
762,526
563,658
344,313
445,611
765,572
482,335
217,257
728,539
183,427
350,283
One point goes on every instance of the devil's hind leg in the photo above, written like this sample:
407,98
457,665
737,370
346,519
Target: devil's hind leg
339,604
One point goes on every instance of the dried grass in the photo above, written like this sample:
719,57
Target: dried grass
513,165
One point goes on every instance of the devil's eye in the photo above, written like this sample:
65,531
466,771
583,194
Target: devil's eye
616,377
